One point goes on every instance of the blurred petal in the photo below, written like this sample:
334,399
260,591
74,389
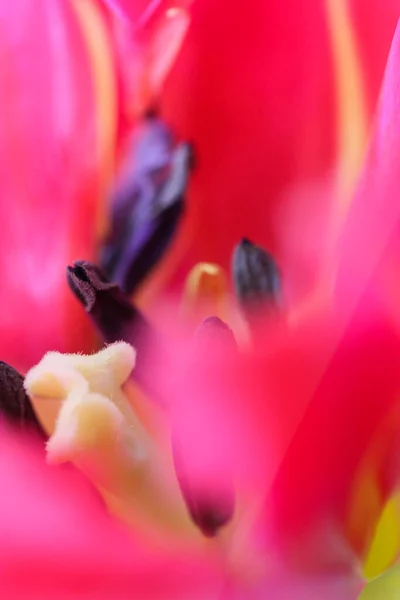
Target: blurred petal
51,163
143,11
161,45
386,544
386,587
377,23
157,29
369,250
62,544
230,92
270,122
308,420
286,585
340,454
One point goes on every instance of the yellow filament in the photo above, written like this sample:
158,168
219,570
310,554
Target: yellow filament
205,293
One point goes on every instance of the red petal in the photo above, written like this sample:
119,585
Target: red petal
307,419
255,88
49,171
319,511
377,23
253,104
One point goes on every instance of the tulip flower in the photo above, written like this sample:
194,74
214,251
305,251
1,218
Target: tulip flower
282,451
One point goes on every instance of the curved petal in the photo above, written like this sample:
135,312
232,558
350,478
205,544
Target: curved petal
57,540
256,88
386,587
379,24
341,457
238,91
309,421
142,12
51,174
369,249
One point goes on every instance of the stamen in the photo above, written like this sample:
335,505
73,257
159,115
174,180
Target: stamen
214,333
206,292
15,405
256,279
97,429
147,203
116,318
209,510
114,315
213,508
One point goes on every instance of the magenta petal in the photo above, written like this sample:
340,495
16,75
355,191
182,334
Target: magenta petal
375,22
287,585
57,541
49,176
370,250
347,428
296,420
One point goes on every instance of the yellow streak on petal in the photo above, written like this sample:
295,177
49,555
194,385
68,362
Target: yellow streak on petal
352,134
98,42
373,523
353,121
386,587
385,547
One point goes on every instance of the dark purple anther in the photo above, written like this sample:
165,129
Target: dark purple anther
147,204
116,318
256,278
15,404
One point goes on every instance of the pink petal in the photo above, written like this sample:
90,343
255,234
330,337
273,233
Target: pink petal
315,513
378,23
369,250
49,171
57,541
141,12
286,585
